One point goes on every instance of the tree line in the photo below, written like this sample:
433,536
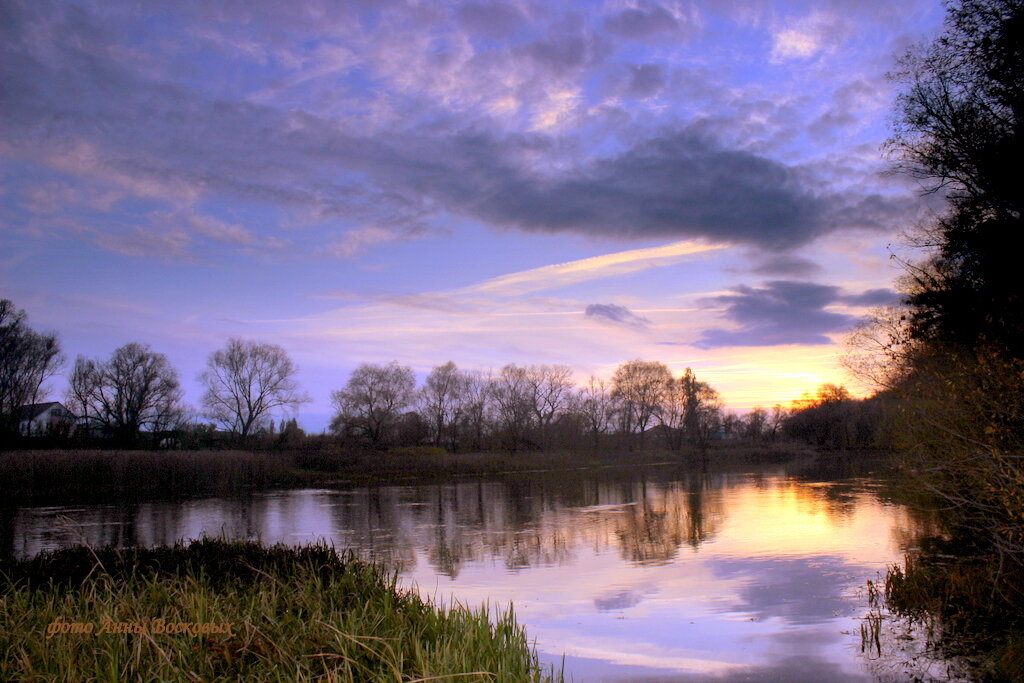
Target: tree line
137,393
536,407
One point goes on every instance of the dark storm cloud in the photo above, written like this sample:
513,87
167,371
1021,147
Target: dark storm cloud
781,312
680,184
72,96
619,315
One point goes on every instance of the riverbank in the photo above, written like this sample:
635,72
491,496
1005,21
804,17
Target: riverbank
241,611
95,476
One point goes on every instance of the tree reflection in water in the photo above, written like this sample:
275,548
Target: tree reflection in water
656,569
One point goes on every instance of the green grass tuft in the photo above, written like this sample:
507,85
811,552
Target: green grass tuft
295,614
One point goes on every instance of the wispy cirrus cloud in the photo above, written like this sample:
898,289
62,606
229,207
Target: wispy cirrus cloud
582,270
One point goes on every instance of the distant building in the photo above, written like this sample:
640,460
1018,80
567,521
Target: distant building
41,419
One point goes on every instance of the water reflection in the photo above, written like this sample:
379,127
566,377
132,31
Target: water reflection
655,574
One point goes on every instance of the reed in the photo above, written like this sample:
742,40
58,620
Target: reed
295,614
968,608
106,475
103,476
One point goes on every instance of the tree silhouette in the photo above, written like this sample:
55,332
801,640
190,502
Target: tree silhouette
27,359
245,381
137,389
960,132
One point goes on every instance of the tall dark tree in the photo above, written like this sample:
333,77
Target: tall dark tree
957,350
960,132
27,359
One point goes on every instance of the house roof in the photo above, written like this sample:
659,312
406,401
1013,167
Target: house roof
34,410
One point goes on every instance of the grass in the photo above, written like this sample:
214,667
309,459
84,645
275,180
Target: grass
295,614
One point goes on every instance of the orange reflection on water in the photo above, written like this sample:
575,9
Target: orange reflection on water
630,573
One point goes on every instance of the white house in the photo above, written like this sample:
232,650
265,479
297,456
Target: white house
40,419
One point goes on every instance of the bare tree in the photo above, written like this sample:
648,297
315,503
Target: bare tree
672,414
595,404
513,400
701,406
245,381
442,401
373,401
478,408
756,423
550,388
688,407
27,359
640,386
137,389
776,420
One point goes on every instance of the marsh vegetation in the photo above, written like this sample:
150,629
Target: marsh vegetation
257,613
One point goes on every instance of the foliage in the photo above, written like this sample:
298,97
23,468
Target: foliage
103,475
419,451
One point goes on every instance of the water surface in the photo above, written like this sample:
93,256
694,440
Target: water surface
654,574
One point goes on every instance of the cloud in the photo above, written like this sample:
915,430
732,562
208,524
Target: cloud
619,599
359,240
635,23
802,590
140,242
490,20
677,184
872,297
786,265
618,315
780,312
206,226
807,36
394,134
644,81
582,270
853,105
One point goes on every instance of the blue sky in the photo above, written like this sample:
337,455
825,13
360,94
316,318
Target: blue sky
485,182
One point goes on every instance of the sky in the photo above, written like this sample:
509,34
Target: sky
585,183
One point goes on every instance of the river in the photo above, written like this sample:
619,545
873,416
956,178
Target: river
646,574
